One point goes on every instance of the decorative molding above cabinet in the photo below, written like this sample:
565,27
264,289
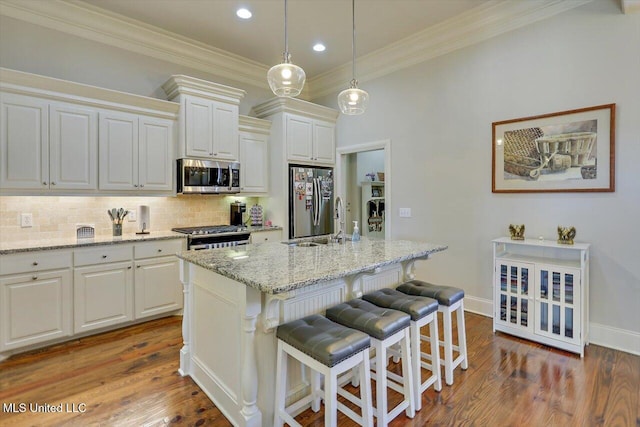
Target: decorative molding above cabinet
61,137
208,121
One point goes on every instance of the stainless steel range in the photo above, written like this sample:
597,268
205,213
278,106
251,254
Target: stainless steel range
214,236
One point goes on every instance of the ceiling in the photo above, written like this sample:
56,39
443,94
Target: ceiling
261,38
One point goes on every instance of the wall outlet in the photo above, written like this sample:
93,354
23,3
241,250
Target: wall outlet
26,220
132,216
405,212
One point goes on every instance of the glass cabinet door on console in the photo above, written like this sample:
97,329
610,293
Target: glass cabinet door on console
557,302
514,293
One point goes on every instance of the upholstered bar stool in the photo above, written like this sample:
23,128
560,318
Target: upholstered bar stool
329,349
423,311
386,327
450,300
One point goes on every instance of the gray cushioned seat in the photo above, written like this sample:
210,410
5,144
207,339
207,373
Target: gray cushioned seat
415,306
325,341
375,321
446,295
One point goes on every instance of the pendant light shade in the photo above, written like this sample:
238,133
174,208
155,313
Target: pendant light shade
353,101
286,79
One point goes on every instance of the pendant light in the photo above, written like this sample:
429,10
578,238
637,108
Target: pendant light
353,101
286,79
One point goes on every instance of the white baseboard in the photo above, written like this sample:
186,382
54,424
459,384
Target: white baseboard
606,336
618,339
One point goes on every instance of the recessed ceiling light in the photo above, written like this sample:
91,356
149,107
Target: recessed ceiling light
319,47
243,13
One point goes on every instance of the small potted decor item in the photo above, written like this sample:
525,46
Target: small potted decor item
566,235
516,231
371,176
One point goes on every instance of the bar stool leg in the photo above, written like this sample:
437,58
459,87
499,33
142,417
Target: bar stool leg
381,384
330,400
407,376
365,392
281,380
462,336
316,391
416,360
448,347
435,352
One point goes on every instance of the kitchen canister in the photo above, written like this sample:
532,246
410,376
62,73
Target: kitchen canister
256,215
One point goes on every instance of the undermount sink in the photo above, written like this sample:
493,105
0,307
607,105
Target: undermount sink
307,243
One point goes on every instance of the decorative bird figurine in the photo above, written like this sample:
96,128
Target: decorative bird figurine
566,235
516,231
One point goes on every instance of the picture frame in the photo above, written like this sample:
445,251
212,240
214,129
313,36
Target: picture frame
567,151
375,192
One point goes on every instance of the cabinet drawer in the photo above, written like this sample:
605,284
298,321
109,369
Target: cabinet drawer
103,254
158,248
34,261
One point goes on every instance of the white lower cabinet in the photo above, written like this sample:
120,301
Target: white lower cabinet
103,296
46,296
157,278
541,292
35,307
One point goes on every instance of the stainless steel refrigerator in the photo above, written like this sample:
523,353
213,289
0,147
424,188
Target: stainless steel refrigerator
310,201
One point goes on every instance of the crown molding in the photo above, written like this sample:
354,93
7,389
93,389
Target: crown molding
474,26
12,81
254,125
295,106
186,85
89,22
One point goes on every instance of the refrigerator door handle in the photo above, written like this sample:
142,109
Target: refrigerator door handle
316,202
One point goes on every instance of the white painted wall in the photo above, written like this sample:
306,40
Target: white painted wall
438,115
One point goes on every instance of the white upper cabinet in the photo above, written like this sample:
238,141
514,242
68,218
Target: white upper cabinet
310,140
254,155
136,153
208,121
68,138
24,142
48,145
73,147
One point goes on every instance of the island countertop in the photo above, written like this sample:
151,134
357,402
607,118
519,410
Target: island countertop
275,268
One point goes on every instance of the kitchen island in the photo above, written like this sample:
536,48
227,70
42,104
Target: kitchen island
236,297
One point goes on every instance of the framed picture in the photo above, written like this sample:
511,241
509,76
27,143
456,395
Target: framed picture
569,151
375,192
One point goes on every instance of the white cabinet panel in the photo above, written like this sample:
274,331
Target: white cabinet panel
118,151
225,131
324,142
253,163
299,138
103,295
35,308
24,142
155,154
157,286
73,147
199,127
266,236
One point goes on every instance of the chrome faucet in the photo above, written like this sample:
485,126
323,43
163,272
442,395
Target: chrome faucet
340,236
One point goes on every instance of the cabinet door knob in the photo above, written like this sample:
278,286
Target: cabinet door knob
135,185
35,262
53,183
44,182
129,268
34,278
159,250
138,266
104,256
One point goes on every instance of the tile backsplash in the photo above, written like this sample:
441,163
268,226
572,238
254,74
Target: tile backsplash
57,217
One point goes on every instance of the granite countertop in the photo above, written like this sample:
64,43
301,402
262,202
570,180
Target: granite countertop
275,268
72,242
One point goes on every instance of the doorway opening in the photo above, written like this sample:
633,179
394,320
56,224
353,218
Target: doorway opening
363,173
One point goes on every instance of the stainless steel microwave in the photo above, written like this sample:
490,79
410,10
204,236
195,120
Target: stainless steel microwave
197,176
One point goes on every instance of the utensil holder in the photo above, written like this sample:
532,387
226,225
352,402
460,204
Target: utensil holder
117,230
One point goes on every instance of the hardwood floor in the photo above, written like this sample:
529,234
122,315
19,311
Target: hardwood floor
129,378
